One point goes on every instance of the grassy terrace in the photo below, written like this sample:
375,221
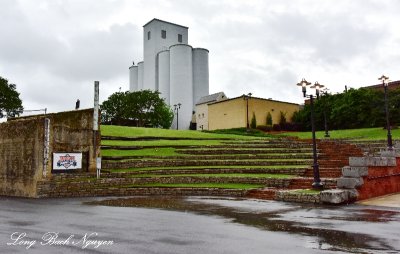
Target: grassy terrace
278,176
239,186
127,170
122,131
162,143
165,151
357,134
159,145
169,151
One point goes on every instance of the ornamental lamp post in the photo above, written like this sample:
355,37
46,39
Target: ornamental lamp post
176,110
385,84
247,97
325,93
317,185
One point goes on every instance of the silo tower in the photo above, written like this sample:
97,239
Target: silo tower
159,35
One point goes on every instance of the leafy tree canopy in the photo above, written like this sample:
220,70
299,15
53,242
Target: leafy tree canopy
141,108
10,103
356,108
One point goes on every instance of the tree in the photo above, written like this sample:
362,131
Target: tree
10,103
113,109
269,119
356,108
282,118
140,108
253,123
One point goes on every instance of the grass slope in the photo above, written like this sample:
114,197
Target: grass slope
124,131
358,134
161,143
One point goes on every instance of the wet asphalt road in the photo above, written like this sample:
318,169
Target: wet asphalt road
193,225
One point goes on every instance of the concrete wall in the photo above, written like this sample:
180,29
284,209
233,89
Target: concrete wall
227,114
22,148
133,78
232,113
202,117
21,157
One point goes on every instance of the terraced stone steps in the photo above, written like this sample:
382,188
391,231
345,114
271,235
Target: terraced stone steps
217,157
279,156
288,163
151,138
240,146
228,150
205,163
288,171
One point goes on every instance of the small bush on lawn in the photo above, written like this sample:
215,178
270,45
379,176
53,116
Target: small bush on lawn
253,123
269,119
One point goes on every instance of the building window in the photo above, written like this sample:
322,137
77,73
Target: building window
148,35
163,34
199,116
179,37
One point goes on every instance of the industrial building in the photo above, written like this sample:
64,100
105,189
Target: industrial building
217,112
172,67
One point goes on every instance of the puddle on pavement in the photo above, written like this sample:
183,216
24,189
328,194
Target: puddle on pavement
323,237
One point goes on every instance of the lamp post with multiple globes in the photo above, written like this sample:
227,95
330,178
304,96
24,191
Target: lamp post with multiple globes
385,84
303,83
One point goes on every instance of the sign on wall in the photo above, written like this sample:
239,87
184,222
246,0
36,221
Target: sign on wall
67,161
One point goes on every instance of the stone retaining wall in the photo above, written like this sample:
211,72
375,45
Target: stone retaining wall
89,190
216,157
78,186
241,151
180,163
367,177
22,148
299,197
244,170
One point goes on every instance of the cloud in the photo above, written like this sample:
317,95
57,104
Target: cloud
54,50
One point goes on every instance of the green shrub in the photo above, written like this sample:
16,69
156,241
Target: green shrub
253,123
269,119
282,118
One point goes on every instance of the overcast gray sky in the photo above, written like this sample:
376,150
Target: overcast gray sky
54,49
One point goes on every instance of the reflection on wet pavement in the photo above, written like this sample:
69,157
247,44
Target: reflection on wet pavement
351,229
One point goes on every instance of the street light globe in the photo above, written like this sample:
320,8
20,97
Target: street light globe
384,79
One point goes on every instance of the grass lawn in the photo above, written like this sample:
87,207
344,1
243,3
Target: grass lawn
124,131
200,185
169,151
162,143
358,134
276,176
165,151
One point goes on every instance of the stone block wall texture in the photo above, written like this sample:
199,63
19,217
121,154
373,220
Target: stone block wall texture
21,157
22,148
381,180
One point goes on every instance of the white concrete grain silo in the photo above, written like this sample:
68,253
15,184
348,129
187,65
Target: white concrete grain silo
164,75
159,35
140,75
133,78
181,82
200,74
172,67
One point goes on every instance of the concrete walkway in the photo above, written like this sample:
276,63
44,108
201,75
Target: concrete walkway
392,200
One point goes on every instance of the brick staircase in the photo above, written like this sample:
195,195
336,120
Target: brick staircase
332,156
